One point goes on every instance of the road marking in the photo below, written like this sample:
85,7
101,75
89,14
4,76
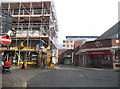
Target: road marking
21,80
14,80
69,68
80,75
24,84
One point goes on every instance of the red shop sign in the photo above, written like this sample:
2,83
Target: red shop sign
99,52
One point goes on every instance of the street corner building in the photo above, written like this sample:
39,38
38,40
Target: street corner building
104,52
93,51
34,26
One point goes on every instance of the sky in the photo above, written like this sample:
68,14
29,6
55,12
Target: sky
84,17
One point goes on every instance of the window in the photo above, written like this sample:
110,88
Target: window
63,45
71,45
67,45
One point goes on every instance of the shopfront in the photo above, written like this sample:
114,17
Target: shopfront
99,58
100,54
116,62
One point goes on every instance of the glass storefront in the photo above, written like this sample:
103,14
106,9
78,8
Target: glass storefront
117,56
117,60
100,60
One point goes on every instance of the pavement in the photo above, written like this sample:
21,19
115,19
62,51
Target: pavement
19,77
11,80
77,67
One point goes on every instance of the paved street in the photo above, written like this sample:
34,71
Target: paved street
75,77
64,76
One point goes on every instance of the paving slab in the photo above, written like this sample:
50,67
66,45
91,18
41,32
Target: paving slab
19,77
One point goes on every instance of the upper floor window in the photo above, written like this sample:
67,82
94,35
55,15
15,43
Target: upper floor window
67,45
71,45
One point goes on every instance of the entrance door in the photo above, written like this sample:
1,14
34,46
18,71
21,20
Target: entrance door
97,61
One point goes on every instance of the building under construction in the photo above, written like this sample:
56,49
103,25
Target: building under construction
35,28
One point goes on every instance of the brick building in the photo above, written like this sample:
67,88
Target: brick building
104,52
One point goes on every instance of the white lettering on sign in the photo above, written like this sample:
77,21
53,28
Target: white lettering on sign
98,44
5,39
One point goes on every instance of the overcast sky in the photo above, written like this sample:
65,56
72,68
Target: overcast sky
85,17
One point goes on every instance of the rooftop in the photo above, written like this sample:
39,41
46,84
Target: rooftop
81,36
113,32
23,0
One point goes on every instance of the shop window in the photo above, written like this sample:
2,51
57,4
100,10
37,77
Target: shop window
117,54
117,61
107,57
117,65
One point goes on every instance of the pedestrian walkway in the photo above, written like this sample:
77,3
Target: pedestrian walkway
79,68
19,77
10,80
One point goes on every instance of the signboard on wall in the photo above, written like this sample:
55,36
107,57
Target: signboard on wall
5,40
98,52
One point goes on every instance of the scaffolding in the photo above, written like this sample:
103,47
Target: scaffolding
34,25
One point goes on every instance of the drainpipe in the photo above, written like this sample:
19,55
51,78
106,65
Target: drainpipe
84,56
113,59
72,57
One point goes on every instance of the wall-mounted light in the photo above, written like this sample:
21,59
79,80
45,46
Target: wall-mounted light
117,41
42,47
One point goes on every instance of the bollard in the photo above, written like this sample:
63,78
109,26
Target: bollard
52,66
25,65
